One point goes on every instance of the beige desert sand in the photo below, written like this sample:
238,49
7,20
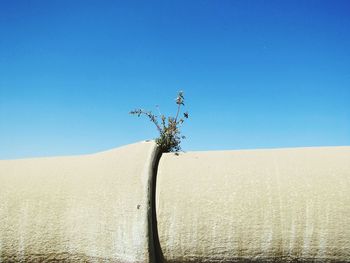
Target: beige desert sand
277,205
91,208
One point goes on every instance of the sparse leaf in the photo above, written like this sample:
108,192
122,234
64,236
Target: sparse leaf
169,139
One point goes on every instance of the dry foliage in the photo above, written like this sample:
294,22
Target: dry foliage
169,139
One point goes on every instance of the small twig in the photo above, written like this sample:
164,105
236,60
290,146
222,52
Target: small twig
169,134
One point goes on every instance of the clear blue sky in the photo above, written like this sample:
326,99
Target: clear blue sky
256,74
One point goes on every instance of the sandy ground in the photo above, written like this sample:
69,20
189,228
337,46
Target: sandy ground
278,204
76,209
257,205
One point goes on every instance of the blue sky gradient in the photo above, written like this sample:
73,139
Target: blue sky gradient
256,74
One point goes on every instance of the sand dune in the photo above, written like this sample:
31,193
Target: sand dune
80,208
272,205
277,205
